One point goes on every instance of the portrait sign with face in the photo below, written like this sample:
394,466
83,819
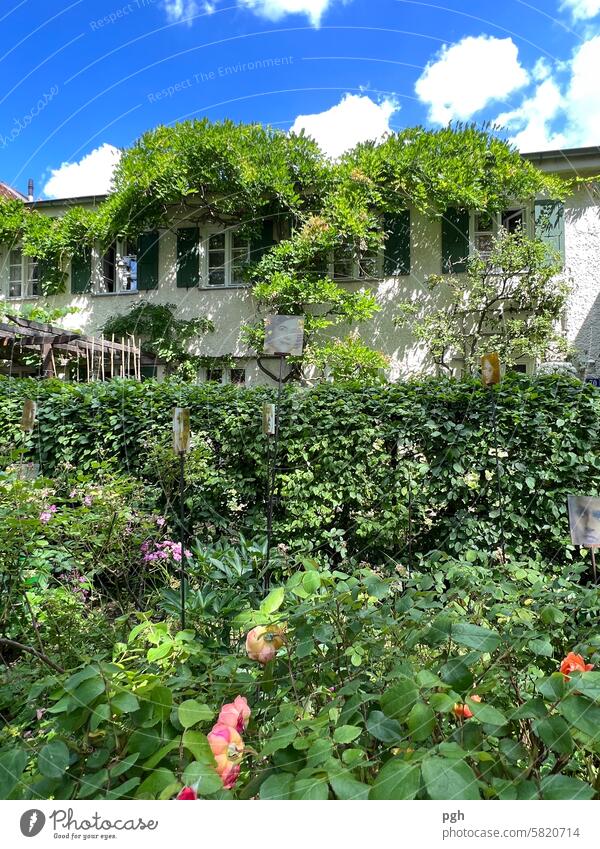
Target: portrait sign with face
490,369
584,519
284,334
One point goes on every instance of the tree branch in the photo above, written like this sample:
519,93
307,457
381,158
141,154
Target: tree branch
44,658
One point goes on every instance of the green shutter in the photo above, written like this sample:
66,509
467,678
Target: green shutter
147,261
397,246
81,271
550,225
148,372
455,240
188,257
263,240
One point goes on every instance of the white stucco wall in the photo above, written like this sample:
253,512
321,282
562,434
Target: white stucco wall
582,266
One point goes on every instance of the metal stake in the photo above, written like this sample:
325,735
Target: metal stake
593,550
273,470
498,476
182,534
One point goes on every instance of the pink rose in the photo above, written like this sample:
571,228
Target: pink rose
263,642
228,748
187,793
235,714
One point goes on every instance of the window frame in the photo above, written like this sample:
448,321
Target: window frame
528,225
25,281
225,375
356,275
228,250
122,254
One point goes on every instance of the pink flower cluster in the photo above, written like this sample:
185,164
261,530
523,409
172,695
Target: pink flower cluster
226,744
47,514
167,550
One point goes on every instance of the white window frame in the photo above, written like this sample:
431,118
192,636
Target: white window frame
357,271
226,373
496,224
26,281
229,282
123,262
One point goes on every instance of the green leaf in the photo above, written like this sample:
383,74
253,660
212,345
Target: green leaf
556,787
53,760
278,786
449,779
486,713
125,702
122,766
586,683
311,581
475,637
279,739
191,712
346,787
203,777
88,691
145,741
541,647
384,729
12,764
457,675
314,788
399,699
398,780
421,722
346,733
158,652
273,601
441,702
197,743
155,783
583,714
554,732
123,789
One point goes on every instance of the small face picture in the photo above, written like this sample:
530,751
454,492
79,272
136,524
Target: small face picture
28,417
584,519
284,334
490,369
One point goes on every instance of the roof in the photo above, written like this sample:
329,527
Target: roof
84,200
7,191
568,161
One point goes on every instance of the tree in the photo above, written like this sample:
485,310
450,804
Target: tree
509,301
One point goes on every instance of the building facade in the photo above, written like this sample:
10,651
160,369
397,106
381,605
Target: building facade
199,271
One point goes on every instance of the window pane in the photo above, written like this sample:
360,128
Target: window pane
215,375
368,264
512,220
33,273
217,242
216,276
343,264
238,376
108,269
15,274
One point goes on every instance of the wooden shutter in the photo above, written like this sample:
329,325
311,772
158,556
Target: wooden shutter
397,246
81,271
188,261
147,261
455,240
264,240
550,225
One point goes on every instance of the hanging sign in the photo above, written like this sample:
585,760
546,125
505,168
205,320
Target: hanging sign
490,369
269,419
28,417
181,430
584,519
284,334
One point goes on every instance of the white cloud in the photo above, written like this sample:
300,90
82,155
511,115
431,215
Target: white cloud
582,101
276,9
582,10
92,175
180,10
354,119
533,119
469,75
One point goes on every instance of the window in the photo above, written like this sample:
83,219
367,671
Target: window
236,375
346,265
23,275
228,255
486,227
119,268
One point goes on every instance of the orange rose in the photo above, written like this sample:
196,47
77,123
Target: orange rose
574,663
263,642
464,711
235,714
228,748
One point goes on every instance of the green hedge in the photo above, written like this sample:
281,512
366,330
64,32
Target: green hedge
352,459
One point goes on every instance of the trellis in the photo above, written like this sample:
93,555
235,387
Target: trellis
103,358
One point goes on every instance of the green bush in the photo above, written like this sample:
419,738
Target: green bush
352,459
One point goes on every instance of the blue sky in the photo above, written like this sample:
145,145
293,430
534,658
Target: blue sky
83,78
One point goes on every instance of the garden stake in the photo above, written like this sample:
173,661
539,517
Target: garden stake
498,476
181,445
273,470
593,550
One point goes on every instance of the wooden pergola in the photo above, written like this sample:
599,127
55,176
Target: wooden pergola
103,358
